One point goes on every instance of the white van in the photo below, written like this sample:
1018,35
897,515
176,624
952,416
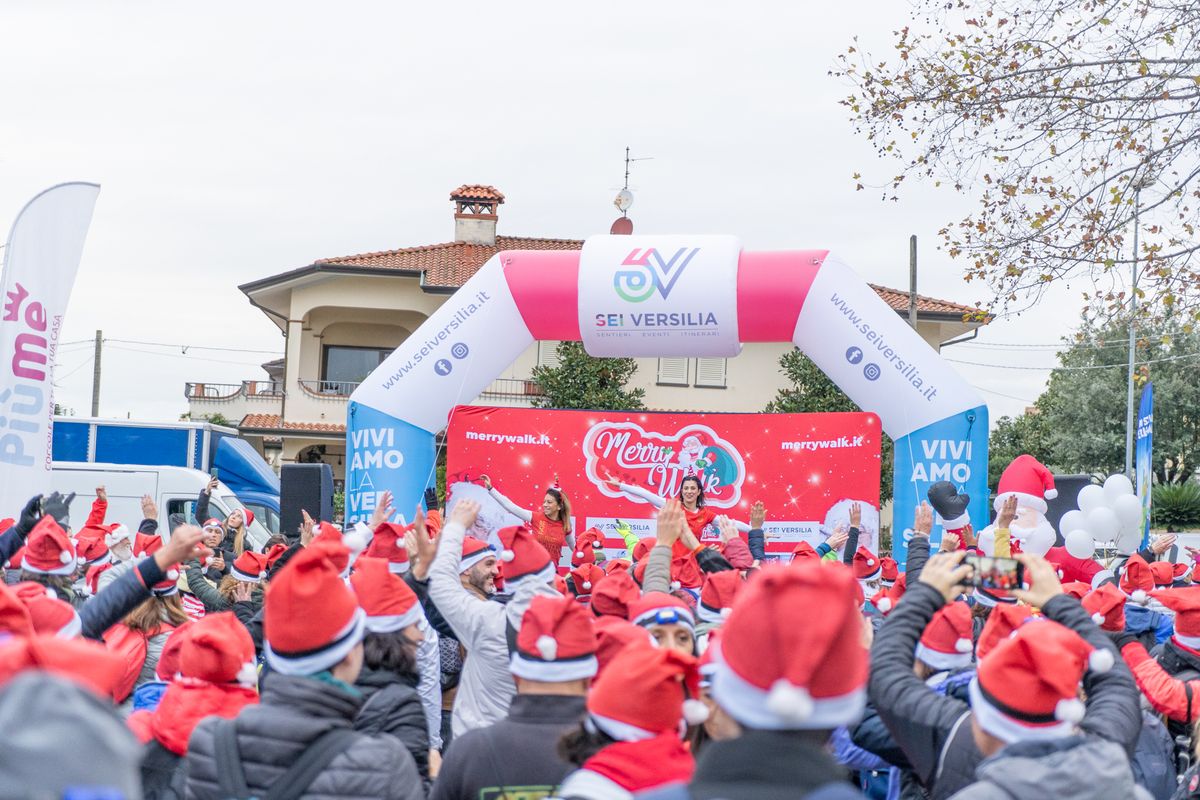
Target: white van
174,490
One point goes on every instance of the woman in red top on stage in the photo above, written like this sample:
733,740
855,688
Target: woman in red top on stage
691,494
551,524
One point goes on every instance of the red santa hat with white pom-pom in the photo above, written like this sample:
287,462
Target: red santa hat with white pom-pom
48,549
585,577
773,676
1185,602
524,557
867,565
646,691
946,641
389,603
1029,480
1137,581
716,598
556,642
1027,687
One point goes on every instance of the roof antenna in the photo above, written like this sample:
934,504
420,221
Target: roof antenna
623,226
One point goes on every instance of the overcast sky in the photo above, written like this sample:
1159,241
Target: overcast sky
237,140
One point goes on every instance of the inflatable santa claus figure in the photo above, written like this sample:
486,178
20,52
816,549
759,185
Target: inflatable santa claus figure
1032,484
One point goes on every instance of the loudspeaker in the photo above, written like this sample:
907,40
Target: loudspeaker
307,487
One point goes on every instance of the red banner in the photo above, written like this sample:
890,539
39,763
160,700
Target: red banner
806,468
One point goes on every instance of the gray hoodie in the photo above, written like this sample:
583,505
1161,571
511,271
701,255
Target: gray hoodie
1075,768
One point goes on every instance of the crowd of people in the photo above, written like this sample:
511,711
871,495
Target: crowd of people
419,661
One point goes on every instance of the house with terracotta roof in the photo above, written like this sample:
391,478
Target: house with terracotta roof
340,317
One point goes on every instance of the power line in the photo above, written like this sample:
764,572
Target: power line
1007,396
73,370
1074,369
182,355
196,347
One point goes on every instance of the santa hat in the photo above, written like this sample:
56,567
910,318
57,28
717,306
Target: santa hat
866,564
560,585
212,523
169,585
273,554
1000,624
92,552
1106,605
92,577
116,534
389,603
613,594
778,676
352,542
218,649
582,555
1027,479
1162,573
585,578
645,692
1185,602
249,567
716,598
889,569
1181,571
1137,581
14,614
47,614
555,643
617,565
803,551
587,545
643,548
613,635
523,557
146,544
311,619
248,517
1028,686
170,660
80,661
660,608
1077,589
946,641
48,549
893,593
388,544
474,551
991,598
16,559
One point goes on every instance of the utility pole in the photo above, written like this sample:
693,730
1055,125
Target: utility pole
912,281
96,374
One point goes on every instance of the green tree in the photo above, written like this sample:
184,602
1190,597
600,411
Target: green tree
1061,121
1079,421
811,392
583,381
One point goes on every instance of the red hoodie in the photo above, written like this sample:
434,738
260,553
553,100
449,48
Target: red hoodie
639,766
183,705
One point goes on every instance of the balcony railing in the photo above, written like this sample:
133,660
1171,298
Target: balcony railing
231,391
510,388
329,389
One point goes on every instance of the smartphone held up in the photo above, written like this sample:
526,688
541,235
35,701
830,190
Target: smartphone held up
992,572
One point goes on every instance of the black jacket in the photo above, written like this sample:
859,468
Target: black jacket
110,605
294,712
421,589
393,706
516,755
935,731
763,765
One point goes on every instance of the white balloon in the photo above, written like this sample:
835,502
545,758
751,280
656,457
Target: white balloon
1101,576
1038,542
1080,543
1103,524
1116,486
1128,509
1073,520
1129,540
986,541
1090,496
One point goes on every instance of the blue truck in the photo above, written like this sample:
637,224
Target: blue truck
199,446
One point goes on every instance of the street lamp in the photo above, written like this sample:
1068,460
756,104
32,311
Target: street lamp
1145,180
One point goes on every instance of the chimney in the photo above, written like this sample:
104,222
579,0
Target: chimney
475,213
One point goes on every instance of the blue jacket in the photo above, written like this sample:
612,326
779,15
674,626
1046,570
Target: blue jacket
1139,620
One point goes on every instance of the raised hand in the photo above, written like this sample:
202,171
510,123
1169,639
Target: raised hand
758,515
923,519
465,513
211,486
838,537
671,521
308,527
1042,579
1008,512
242,592
383,510
728,530
946,573
149,509
1162,544
59,507
487,482
856,515
186,544
950,542
101,494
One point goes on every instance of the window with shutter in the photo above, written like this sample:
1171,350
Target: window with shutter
547,355
673,372
710,372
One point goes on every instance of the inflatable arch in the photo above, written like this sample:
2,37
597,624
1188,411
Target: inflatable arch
667,296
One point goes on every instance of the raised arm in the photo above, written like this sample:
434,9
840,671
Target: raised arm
523,514
463,611
99,509
1179,700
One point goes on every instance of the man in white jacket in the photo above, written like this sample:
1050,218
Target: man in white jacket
481,624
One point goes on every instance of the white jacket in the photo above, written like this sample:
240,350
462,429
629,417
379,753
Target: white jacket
486,686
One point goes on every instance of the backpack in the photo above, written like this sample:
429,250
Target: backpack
1154,758
132,646
1181,732
307,767
164,774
